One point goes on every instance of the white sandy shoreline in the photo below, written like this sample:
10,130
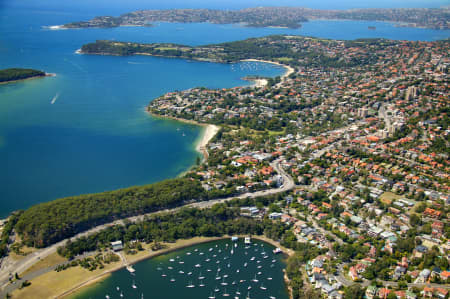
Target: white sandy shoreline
208,133
289,70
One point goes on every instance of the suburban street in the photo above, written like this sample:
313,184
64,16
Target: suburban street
9,267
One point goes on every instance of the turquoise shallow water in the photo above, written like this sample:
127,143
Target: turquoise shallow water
213,261
96,135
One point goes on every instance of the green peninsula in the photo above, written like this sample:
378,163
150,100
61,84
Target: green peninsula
290,50
15,74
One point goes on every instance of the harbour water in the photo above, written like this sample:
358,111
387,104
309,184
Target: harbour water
86,130
200,271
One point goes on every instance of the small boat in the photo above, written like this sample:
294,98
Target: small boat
190,273
170,268
224,283
218,278
225,276
262,287
237,271
259,267
172,260
249,287
121,294
181,272
253,258
273,261
188,253
134,285
228,265
190,285
269,278
232,252
234,282
245,264
216,289
210,249
200,276
211,296
242,280
277,250
107,296
259,273
208,270
201,284
131,269
201,253
247,240
254,279
197,266
248,295
117,288
180,262
225,294
163,275
172,279
159,268
272,297
235,245
207,260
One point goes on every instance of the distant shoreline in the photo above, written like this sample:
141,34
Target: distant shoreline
289,69
29,78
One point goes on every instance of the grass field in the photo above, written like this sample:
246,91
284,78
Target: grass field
51,260
389,197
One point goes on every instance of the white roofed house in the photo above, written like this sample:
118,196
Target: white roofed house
117,245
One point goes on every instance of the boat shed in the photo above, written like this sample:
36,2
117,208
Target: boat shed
117,245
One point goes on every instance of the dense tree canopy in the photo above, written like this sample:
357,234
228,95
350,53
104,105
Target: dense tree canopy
47,223
13,74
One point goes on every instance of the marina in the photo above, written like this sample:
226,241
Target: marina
165,277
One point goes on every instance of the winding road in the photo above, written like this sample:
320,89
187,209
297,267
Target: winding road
9,266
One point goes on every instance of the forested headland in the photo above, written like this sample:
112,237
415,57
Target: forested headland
220,220
290,50
50,222
14,74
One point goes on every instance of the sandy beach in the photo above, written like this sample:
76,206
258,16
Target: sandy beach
289,70
209,132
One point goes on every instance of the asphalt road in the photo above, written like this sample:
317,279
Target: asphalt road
10,267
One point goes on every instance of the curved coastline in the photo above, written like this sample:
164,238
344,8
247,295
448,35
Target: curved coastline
289,69
178,245
208,132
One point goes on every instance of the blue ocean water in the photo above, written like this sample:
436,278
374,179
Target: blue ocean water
96,135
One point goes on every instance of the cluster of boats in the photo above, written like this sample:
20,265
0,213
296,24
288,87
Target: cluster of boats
214,271
218,260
